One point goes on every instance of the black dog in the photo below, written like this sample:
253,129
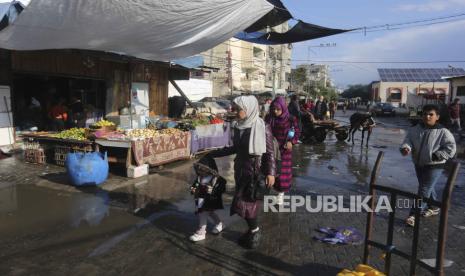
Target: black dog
363,122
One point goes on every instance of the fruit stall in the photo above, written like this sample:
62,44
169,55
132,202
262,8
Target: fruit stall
159,143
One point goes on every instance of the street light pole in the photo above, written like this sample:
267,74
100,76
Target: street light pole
274,75
230,79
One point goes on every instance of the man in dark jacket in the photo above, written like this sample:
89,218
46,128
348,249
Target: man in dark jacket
294,107
321,108
431,146
77,116
294,110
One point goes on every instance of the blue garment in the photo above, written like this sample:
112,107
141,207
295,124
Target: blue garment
427,177
340,235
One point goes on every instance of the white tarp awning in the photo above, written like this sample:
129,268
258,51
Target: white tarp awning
150,29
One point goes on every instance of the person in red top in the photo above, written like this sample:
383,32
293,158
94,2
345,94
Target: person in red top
309,105
454,112
58,115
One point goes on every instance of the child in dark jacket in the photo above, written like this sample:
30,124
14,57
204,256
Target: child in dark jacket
207,189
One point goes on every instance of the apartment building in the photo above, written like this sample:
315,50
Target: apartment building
317,74
248,67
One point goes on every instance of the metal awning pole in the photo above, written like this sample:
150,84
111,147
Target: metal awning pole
9,120
130,94
182,93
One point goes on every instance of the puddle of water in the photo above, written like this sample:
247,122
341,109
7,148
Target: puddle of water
26,210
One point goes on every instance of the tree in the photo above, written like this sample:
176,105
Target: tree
358,90
298,76
328,92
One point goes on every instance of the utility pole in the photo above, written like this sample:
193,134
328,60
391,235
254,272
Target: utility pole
290,80
273,70
230,80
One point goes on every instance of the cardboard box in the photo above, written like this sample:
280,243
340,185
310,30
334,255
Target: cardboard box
135,172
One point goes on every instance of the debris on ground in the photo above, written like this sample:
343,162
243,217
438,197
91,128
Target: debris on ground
461,227
432,262
342,235
4,155
379,147
333,170
315,156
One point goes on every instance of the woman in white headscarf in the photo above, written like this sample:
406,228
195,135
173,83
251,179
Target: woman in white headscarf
253,147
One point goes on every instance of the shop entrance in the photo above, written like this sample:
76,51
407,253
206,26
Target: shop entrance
54,103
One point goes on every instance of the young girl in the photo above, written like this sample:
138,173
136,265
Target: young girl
207,189
281,122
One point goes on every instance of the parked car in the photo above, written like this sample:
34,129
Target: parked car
215,107
226,104
382,109
206,107
340,103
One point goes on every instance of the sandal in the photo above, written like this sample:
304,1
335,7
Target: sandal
431,212
410,221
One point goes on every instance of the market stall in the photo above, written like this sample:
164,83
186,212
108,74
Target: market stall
160,143
207,137
146,146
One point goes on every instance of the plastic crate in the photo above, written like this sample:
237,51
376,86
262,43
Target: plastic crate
34,153
62,151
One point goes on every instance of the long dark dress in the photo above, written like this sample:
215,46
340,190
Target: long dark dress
246,168
280,131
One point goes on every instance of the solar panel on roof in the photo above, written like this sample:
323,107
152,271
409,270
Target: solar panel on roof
418,74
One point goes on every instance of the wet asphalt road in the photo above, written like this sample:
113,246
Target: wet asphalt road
141,226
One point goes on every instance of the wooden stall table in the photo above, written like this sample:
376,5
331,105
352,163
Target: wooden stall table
154,151
162,149
123,145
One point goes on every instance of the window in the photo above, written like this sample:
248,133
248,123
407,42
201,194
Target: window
460,90
395,94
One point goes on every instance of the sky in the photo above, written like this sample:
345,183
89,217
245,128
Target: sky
439,42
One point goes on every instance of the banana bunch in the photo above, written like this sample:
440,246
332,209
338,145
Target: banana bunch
103,123
73,133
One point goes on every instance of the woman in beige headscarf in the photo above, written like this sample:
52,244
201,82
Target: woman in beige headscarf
253,146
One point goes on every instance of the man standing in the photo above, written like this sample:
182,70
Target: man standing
454,112
294,108
332,109
321,108
58,115
77,117
431,146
